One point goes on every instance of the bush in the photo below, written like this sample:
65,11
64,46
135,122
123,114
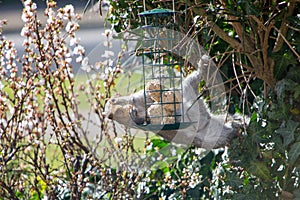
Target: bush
46,148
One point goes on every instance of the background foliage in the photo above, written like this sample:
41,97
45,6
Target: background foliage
256,46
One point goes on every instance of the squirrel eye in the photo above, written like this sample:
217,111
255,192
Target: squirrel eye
133,100
133,112
110,116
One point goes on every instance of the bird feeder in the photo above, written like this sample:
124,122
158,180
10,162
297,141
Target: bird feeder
162,71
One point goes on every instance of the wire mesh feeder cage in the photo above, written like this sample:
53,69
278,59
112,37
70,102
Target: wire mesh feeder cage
162,72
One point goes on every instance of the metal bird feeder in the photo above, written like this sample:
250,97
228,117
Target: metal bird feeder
162,72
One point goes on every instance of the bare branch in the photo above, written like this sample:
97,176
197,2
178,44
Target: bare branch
222,34
287,42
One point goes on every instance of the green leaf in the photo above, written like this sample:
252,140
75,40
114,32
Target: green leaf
161,165
253,117
207,163
34,197
233,180
20,195
257,132
283,86
247,196
260,170
280,111
247,7
159,143
282,61
294,153
294,72
297,92
288,132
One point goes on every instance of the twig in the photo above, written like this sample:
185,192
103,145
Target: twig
284,27
246,80
287,42
223,35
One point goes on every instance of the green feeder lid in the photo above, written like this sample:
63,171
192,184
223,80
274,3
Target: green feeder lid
158,12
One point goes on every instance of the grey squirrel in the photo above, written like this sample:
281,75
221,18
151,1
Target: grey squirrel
207,130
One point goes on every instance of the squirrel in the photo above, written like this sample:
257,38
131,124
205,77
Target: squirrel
207,130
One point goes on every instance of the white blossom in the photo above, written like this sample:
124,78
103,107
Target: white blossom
118,140
69,8
68,58
173,152
40,65
79,50
27,3
8,66
34,6
10,54
107,33
109,63
24,17
108,54
98,65
13,75
108,44
46,44
85,65
60,15
74,41
42,81
69,26
86,68
85,61
3,122
51,13
25,31
50,20
94,76
68,11
79,59
71,75
142,188
30,125
149,147
29,9
11,109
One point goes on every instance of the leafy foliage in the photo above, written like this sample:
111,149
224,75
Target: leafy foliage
262,40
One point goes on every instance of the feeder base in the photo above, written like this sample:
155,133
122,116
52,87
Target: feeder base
158,127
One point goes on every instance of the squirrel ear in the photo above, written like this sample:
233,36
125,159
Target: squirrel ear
204,61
